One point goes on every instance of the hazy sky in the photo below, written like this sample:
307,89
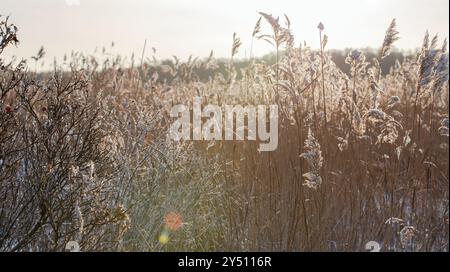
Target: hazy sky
183,27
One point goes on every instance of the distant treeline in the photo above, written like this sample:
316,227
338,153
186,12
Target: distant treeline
338,56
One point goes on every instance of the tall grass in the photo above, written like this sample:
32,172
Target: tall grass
361,156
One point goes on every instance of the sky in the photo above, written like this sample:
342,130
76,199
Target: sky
185,27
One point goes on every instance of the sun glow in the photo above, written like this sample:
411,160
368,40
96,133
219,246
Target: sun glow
183,28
